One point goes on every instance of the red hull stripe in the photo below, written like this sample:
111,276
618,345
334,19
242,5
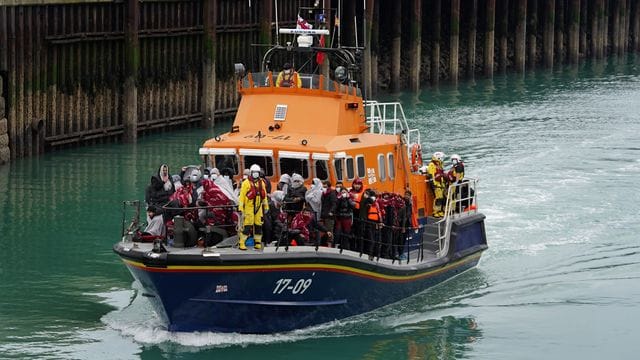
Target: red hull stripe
302,267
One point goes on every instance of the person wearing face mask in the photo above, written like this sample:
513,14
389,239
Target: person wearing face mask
372,224
343,219
253,204
295,197
329,202
436,179
288,77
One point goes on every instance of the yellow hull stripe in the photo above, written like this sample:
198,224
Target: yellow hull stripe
302,267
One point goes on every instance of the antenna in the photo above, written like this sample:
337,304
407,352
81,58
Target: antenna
277,27
364,47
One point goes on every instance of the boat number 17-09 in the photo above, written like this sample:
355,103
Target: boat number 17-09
299,287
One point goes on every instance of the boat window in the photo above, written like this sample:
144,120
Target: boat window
338,166
382,171
361,167
392,166
298,166
350,172
321,169
227,164
265,163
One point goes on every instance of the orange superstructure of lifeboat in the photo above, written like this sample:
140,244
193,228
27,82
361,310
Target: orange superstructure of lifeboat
322,130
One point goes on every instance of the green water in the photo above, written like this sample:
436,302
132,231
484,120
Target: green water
558,158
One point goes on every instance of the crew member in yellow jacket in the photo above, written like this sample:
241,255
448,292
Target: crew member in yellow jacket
253,204
436,179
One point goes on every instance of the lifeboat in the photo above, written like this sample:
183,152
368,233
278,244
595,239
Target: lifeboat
323,129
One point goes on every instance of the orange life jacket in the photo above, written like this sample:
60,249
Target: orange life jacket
357,196
374,213
256,190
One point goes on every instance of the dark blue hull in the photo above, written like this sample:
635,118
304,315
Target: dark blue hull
266,293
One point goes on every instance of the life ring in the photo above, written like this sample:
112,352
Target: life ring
416,157
471,207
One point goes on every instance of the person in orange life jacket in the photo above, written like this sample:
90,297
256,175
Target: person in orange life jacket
294,200
343,221
253,204
437,181
288,77
372,220
357,193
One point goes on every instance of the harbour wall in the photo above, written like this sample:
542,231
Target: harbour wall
84,71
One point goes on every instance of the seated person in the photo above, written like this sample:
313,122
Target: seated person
288,77
305,228
155,225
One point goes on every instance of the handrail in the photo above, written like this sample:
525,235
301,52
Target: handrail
389,118
370,239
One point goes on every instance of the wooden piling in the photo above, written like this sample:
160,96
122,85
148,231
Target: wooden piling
615,33
375,30
532,31
560,30
521,33
583,49
604,27
636,25
368,19
208,102
416,45
454,40
504,33
574,31
396,46
473,24
489,38
548,37
624,25
436,36
132,62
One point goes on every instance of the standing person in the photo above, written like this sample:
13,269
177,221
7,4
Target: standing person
160,188
344,213
436,179
253,204
295,197
456,173
288,77
329,202
408,222
454,177
357,194
372,215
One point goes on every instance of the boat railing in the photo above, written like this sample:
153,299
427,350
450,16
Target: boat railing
461,201
389,118
308,81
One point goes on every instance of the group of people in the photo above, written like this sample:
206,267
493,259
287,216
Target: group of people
356,218
439,180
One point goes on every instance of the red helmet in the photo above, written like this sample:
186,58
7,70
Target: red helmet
357,180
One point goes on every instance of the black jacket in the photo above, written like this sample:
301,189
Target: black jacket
329,203
344,207
295,194
156,194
